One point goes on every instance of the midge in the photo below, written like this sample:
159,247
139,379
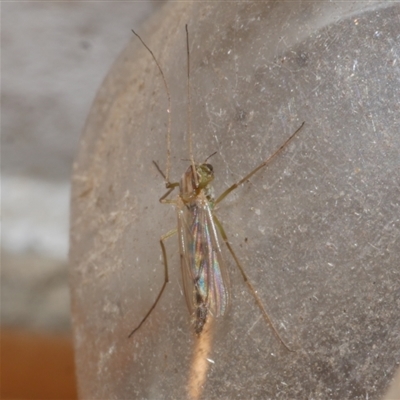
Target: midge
205,275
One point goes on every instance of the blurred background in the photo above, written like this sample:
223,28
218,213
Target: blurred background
54,56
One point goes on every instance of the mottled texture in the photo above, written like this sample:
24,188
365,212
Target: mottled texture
318,231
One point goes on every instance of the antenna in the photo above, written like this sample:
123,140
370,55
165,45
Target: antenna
189,110
168,163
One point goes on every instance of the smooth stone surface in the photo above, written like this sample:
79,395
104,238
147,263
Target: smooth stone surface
317,232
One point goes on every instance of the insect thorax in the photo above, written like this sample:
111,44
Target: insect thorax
192,185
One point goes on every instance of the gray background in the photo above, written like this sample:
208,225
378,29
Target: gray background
54,56
318,231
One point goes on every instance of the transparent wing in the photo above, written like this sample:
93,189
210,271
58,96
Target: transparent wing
205,276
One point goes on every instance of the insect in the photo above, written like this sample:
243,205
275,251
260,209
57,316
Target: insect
205,275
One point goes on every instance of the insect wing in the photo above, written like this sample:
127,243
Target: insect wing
205,276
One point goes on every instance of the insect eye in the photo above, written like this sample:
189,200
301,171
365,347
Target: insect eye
210,167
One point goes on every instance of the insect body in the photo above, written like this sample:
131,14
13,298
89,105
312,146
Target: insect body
205,276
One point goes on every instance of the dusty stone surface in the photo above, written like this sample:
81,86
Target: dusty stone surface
318,231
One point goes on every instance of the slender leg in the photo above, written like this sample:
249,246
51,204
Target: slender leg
170,190
248,283
169,185
262,165
166,279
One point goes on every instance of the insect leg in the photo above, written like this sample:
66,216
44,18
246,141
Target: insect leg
248,283
166,279
169,185
262,165
171,189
